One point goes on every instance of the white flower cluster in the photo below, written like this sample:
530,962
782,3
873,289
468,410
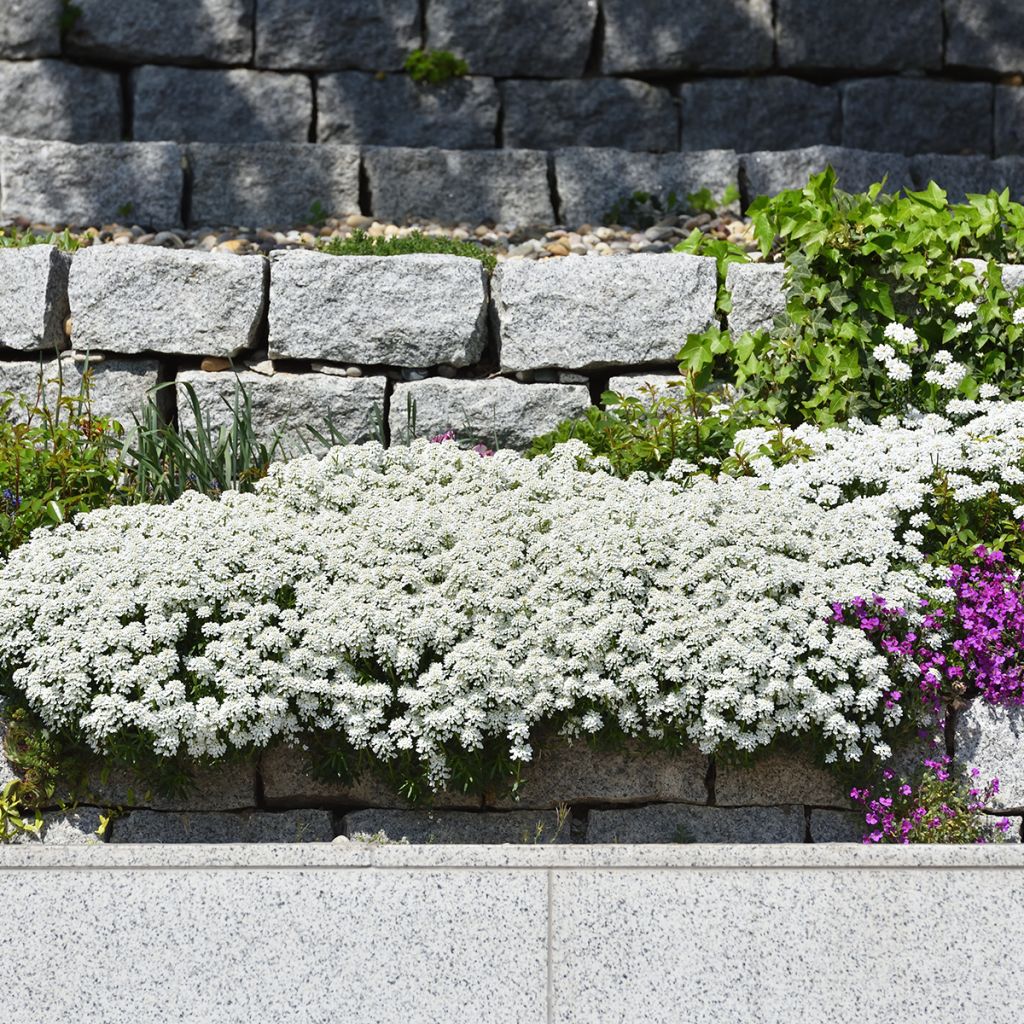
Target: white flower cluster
952,373
413,598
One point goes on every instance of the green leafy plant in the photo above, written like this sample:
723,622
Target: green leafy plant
68,17
15,238
359,243
642,208
317,213
125,210
434,67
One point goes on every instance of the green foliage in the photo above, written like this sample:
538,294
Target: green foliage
68,17
361,244
434,67
642,209
854,265
317,213
56,460
15,238
125,210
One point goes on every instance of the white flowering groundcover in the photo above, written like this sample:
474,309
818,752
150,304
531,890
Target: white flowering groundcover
415,601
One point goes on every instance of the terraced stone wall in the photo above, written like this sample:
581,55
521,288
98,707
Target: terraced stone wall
921,76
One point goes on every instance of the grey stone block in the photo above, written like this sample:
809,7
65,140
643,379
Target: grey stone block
985,34
499,413
837,826
509,186
416,310
778,778
287,782
67,828
616,112
578,313
393,110
506,38
704,35
29,28
140,298
678,823
61,183
1009,119
7,772
579,773
214,827
271,184
916,115
992,738
290,405
1011,173
758,113
118,386
446,827
637,385
758,295
768,173
958,175
33,297
227,786
837,34
151,31
328,35
50,99
185,105
591,181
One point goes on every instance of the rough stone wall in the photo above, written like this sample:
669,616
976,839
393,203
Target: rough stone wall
922,76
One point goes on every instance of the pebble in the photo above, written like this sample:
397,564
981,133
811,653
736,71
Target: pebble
211,364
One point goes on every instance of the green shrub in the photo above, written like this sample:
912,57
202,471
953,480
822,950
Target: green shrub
15,238
434,67
361,244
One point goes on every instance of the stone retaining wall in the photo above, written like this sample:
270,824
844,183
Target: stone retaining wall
931,76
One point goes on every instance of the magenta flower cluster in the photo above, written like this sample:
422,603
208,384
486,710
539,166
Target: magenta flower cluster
449,435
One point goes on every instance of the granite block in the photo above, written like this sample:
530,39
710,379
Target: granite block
310,826
450,827
272,184
240,105
497,412
62,183
50,99
578,313
30,28
228,786
680,823
638,385
958,175
77,827
393,110
33,297
139,298
414,311
508,186
778,778
758,295
506,38
986,35
991,738
837,826
1009,120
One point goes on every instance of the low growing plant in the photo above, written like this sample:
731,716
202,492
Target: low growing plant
361,244
434,67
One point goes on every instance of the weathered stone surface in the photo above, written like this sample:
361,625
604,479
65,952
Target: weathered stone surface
7,772
61,183
537,38
213,827
287,783
591,181
1009,120
837,34
663,35
151,31
637,385
67,828
985,34
228,786
50,99
917,115
415,310
185,105
580,313
678,823
508,186
138,298
272,184
616,112
393,110
578,773
118,386
328,35
499,413
757,293
30,28
758,113
767,173
33,297
291,405
992,738
445,827
958,175
778,779
837,826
